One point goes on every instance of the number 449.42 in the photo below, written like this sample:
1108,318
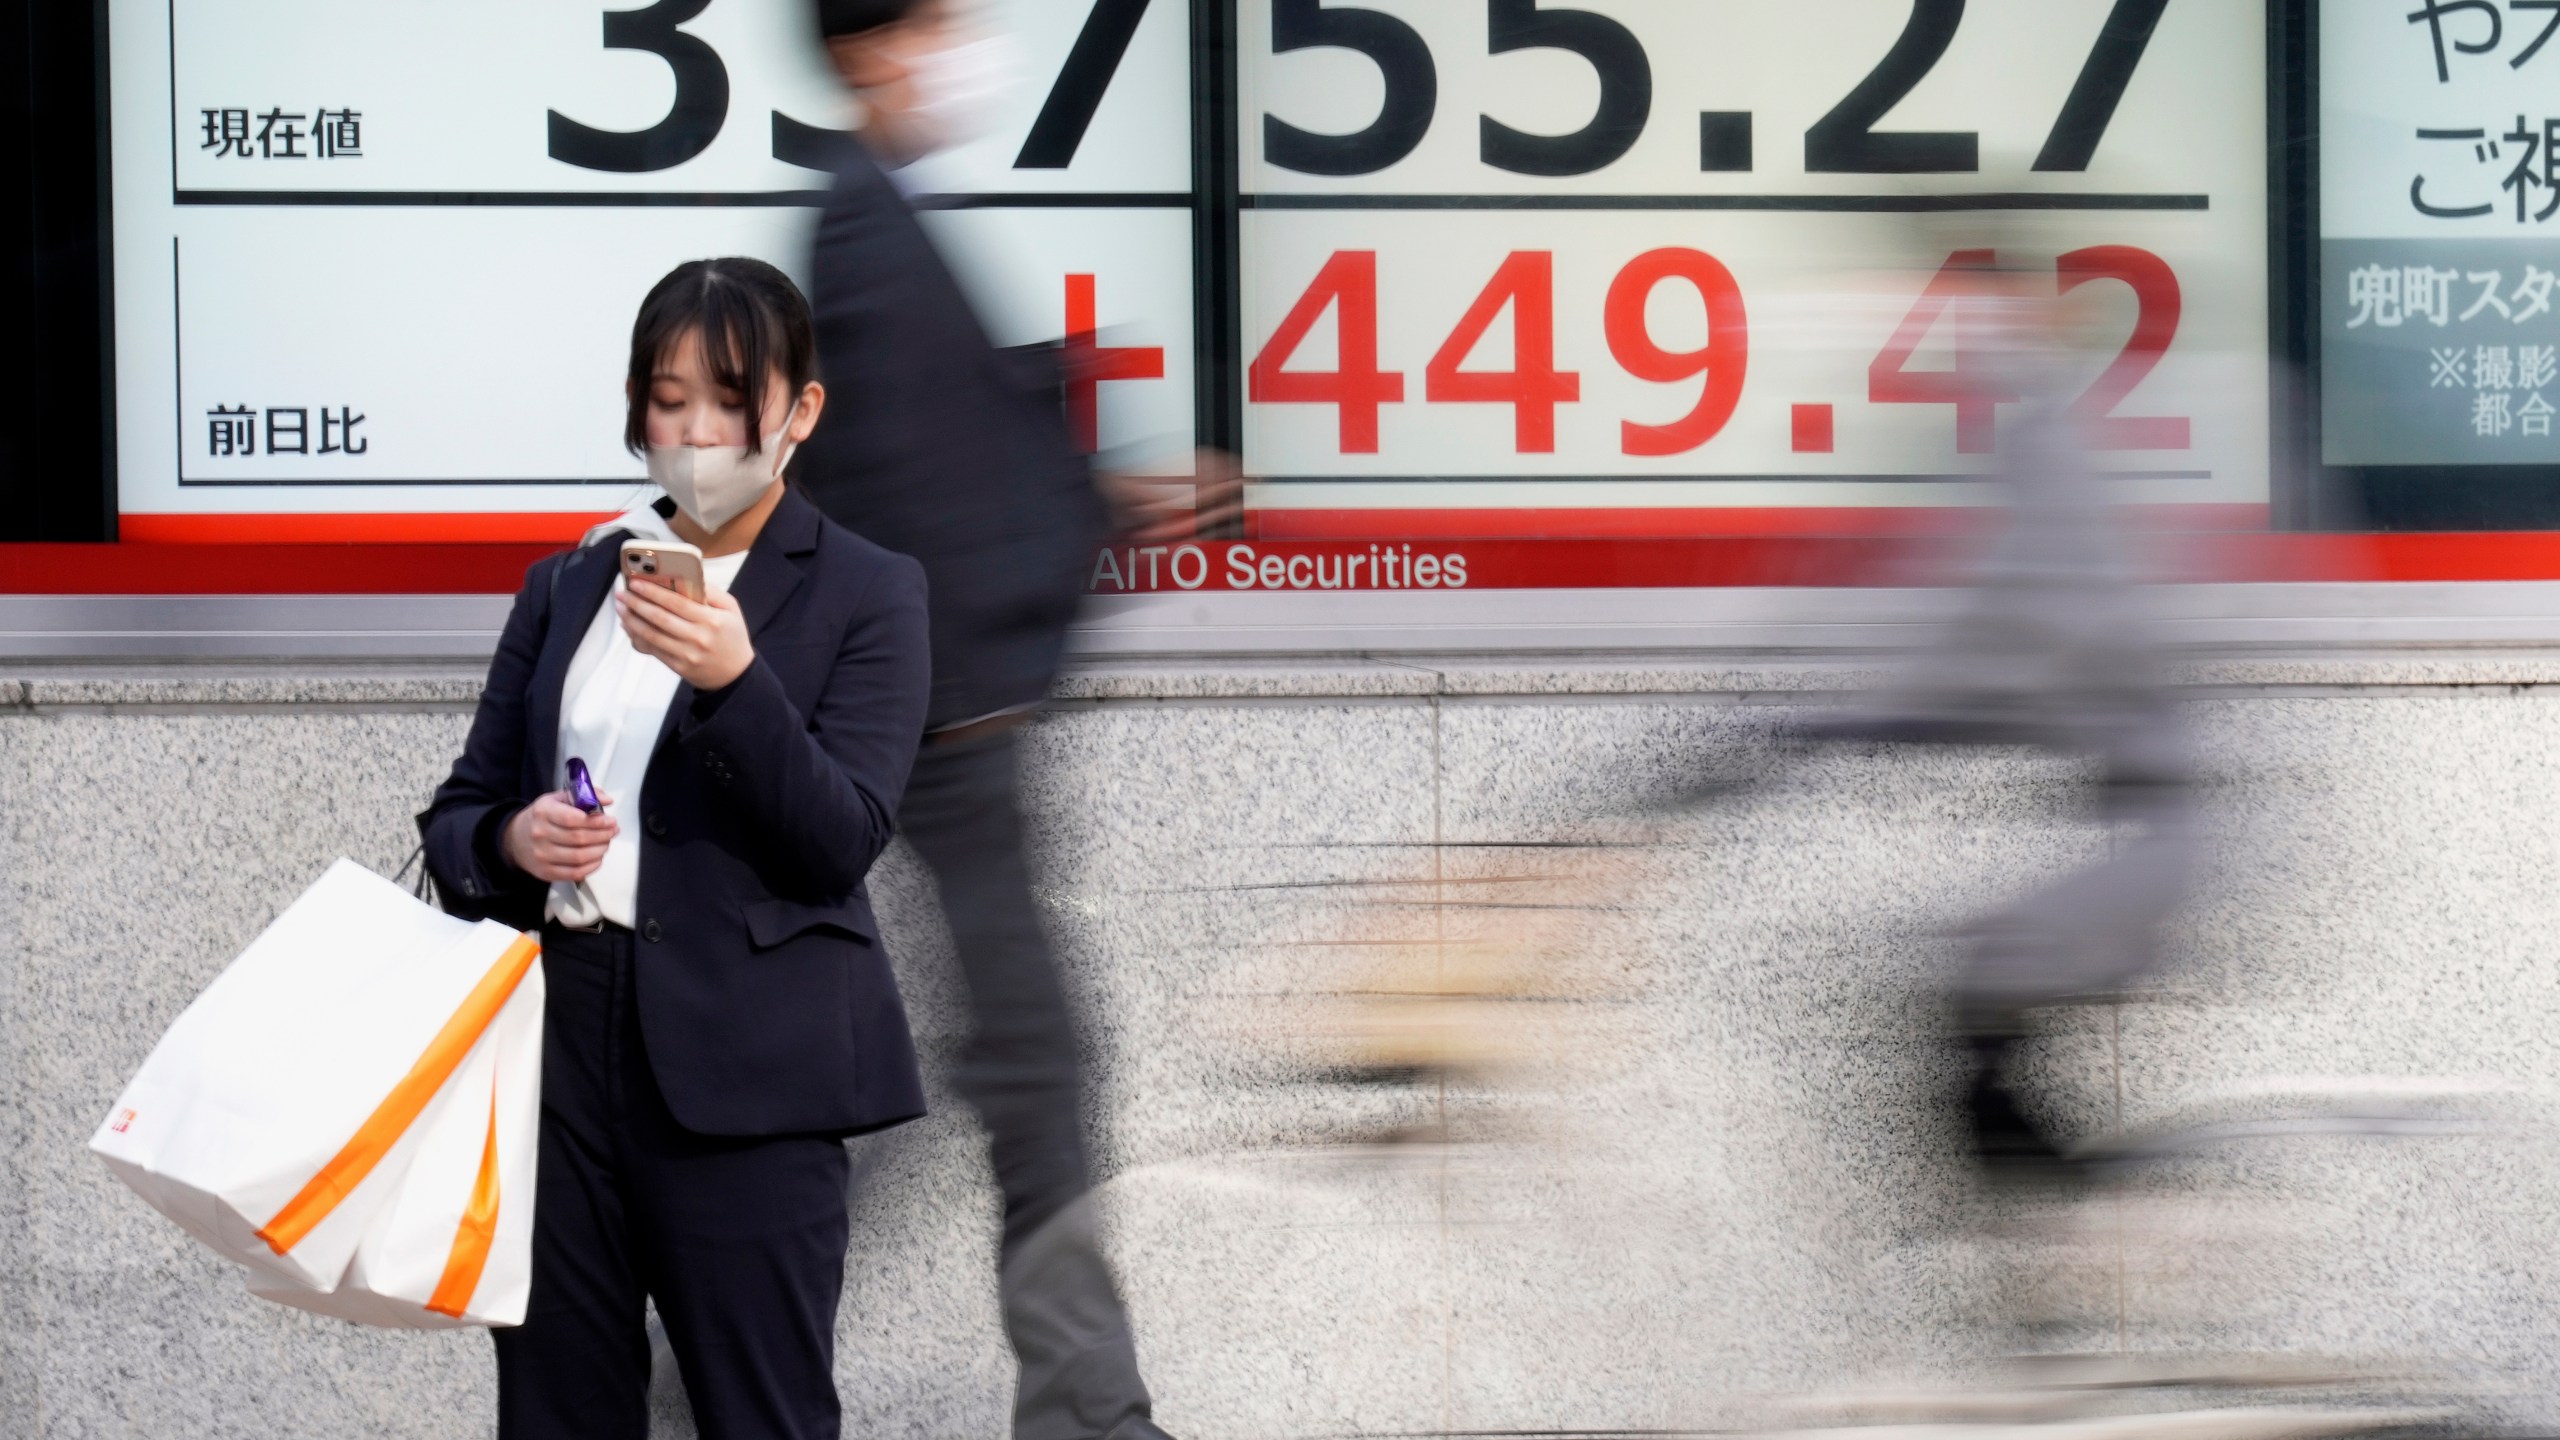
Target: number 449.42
1359,386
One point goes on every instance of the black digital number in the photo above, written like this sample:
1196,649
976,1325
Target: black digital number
1404,63
1846,142
2101,86
811,147
1626,89
1068,112
701,106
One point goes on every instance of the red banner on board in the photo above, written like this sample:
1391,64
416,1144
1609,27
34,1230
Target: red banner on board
1285,566
1317,566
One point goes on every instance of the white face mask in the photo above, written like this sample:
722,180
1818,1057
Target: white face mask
715,484
962,90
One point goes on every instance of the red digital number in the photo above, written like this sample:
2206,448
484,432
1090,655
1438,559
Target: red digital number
1892,381
1524,285
2155,325
1725,359
1348,284
1533,387
1977,397
1087,363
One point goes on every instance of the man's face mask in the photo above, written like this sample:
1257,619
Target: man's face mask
961,89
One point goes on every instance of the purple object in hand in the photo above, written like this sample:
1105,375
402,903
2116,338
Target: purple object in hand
582,787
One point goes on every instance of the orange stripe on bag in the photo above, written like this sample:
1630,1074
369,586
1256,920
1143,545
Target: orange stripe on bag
478,1231
400,1109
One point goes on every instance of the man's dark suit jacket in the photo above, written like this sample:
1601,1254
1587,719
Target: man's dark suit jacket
765,998
939,446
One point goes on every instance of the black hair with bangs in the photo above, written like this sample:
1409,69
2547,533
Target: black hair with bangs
753,322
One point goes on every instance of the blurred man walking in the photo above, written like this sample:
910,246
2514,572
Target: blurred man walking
949,450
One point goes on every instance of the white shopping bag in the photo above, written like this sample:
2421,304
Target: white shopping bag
366,1068
453,1244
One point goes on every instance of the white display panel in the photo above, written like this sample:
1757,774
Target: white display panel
2440,233
366,264
1814,309
1830,159
470,97
2419,111
1990,79
487,345
501,183
1118,280
492,344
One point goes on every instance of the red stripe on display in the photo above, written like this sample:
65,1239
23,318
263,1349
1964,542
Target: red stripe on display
554,528
2492,555
1783,560
138,569
1305,565
1479,564
1584,523
1671,522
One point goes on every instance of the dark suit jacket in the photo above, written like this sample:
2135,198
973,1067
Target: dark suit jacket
765,998
940,446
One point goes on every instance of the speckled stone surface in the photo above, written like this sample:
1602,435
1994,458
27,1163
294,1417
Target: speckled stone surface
140,854
1714,1161
2383,905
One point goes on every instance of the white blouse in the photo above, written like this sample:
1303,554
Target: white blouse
612,706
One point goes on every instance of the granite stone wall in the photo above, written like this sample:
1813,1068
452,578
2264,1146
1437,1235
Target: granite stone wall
1709,1156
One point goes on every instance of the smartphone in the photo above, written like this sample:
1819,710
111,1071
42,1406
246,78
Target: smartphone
582,787
671,563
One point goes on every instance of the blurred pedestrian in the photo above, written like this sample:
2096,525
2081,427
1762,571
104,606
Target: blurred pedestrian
2053,647
948,449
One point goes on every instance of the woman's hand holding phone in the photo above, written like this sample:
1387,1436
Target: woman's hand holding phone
553,840
705,641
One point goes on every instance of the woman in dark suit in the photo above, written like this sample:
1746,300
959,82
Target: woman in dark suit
720,1014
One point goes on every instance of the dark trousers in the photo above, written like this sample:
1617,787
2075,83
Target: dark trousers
1079,1370
741,1242
2092,933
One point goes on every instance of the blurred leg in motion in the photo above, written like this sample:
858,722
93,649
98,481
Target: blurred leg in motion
2085,937
2052,648
1021,1072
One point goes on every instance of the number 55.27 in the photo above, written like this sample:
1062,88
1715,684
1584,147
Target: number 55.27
1844,141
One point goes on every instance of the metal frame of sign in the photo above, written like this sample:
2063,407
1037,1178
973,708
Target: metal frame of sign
1216,203
2309,493
2306,495
59,483
1218,289
2293,229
